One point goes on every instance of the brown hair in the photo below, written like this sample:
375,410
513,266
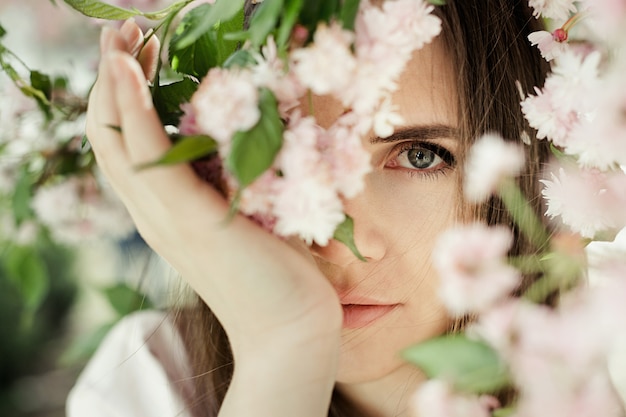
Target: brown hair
487,41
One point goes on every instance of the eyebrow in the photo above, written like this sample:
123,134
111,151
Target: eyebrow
426,132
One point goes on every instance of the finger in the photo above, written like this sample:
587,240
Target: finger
148,57
102,114
143,133
132,34
146,141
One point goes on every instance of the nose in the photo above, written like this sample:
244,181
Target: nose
369,234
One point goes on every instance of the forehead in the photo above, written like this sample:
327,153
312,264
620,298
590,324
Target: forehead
426,94
427,90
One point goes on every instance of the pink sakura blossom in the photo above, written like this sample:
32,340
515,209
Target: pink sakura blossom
187,125
607,16
385,40
587,201
348,159
600,139
554,9
557,357
386,118
436,398
550,45
79,209
270,72
326,66
472,267
412,20
490,161
308,208
225,102
557,108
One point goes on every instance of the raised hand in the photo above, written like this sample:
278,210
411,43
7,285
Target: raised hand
282,316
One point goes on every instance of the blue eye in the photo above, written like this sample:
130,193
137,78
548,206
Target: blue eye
421,156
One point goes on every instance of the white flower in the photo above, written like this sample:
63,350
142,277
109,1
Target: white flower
490,160
309,209
226,102
588,201
472,268
548,45
386,118
327,64
349,161
78,210
554,9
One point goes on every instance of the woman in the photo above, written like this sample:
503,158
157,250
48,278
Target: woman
313,331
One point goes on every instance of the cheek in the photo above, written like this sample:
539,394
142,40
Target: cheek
415,209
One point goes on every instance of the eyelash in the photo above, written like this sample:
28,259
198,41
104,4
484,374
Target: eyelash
448,160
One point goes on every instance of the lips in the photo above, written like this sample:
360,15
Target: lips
356,316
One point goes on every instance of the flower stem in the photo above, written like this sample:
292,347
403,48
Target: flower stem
523,214
573,21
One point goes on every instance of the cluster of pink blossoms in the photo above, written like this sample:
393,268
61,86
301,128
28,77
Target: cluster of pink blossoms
580,109
301,194
558,358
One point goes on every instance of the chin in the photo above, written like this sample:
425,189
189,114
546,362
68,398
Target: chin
359,367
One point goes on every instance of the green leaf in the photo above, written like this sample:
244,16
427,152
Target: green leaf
344,233
198,57
471,365
168,99
2,31
42,83
348,13
126,300
186,149
100,10
83,347
211,49
22,196
289,19
523,214
253,152
221,11
27,271
437,2
316,11
264,21
242,58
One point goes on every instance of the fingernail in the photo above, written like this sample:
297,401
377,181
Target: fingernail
133,36
127,26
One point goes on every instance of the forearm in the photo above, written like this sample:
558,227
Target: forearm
294,379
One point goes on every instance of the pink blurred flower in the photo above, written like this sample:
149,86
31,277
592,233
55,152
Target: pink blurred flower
600,139
435,398
472,268
309,209
588,201
326,65
554,9
386,118
188,125
349,161
225,102
79,209
490,161
558,107
549,45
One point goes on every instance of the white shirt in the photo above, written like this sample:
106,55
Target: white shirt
140,369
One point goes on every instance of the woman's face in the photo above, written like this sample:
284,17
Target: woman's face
390,301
